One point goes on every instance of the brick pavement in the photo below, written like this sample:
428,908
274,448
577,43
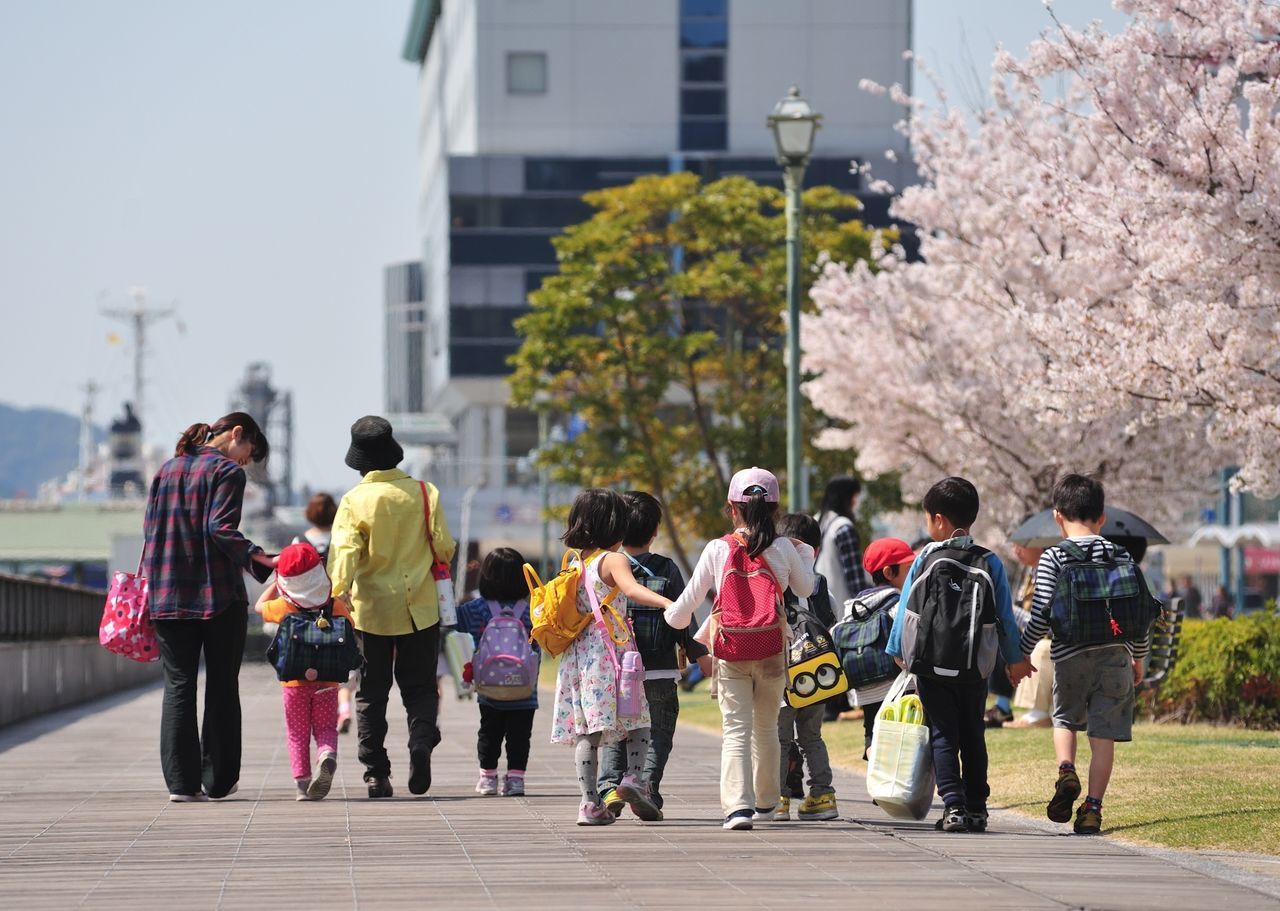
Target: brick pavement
84,823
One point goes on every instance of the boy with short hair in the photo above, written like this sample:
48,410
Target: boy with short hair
804,726
659,647
954,699
1093,683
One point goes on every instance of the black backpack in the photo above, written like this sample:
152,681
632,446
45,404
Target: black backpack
949,629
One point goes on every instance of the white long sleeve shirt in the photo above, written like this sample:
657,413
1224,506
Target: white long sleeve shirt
791,563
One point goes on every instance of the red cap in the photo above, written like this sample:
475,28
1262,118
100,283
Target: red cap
297,559
886,552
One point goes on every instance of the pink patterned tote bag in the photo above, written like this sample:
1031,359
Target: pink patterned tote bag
126,627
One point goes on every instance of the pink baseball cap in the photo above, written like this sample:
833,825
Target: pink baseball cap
741,487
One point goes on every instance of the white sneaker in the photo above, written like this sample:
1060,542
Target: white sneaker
324,778
188,798
488,784
304,784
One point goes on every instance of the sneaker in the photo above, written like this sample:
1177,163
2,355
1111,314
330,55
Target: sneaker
188,798
977,819
783,812
954,819
303,785
763,814
487,786
420,770
512,785
738,819
231,790
996,717
637,795
324,778
612,802
1065,793
592,814
819,806
1088,819
379,787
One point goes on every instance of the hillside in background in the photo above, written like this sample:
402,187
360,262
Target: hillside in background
36,444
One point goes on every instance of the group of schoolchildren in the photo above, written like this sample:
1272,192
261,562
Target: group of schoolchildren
942,613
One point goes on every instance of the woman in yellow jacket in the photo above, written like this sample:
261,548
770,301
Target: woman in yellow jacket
380,559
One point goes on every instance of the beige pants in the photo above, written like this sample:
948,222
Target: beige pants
1036,691
750,693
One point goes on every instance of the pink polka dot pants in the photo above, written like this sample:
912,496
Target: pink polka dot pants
310,711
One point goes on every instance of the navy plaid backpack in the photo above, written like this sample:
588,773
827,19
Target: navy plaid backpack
1097,602
304,650
862,636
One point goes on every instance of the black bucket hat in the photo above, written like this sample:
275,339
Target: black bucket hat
373,448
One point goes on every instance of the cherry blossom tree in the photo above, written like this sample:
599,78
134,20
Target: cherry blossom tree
1100,275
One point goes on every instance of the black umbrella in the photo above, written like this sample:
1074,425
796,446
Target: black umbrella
1041,531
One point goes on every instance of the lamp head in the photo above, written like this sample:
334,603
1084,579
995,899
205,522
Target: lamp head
793,124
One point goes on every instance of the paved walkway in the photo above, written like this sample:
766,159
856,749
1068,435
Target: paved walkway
84,823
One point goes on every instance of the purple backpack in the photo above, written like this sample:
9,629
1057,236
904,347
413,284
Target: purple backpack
505,666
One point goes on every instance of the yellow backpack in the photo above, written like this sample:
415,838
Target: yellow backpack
553,605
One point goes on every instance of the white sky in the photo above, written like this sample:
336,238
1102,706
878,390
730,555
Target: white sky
256,162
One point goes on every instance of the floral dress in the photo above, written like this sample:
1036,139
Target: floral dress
587,682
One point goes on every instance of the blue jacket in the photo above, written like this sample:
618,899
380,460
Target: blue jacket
1007,626
473,617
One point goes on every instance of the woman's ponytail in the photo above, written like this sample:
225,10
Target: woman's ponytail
192,439
757,514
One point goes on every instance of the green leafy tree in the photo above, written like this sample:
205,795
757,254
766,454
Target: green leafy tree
663,329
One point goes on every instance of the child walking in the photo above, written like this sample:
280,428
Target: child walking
749,568
310,706
803,727
586,713
659,646
503,593
954,651
1094,681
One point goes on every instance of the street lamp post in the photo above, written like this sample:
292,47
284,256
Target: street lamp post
542,402
793,124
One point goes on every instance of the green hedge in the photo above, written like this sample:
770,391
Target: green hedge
1226,671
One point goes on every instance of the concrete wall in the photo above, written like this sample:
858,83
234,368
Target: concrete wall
40,677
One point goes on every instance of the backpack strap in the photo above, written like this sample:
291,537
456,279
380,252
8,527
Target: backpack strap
1074,551
636,564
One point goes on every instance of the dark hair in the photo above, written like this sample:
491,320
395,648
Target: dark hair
1079,498
321,510
955,499
197,435
757,514
1134,547
644,514
802,527
879,578
597,518
840,490
502,576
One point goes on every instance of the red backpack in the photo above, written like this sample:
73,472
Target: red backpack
747,617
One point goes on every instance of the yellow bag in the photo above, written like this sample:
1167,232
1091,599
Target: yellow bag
553,605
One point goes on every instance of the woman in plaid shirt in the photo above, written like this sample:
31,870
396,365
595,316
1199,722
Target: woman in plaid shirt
195,560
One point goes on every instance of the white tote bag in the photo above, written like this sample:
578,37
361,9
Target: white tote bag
900,763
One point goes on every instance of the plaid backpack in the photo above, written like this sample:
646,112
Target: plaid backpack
1097,602
304,650
862,637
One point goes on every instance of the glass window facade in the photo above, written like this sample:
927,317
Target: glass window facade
704,41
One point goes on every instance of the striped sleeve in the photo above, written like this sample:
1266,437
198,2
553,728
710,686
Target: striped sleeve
1046,581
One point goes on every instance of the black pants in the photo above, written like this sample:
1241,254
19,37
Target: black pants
954,713
869,713
411,660
664,712
210,759
515,726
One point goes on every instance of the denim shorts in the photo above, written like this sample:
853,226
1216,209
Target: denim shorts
1093,692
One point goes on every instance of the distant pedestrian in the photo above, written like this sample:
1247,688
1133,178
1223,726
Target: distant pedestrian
749,568
310,705
195,560
1220,606
502,593
587,683
381,560
1192,600
1094,680
840,556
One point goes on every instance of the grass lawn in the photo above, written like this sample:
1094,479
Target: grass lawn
1192,786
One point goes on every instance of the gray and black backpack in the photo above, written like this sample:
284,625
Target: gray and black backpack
949,629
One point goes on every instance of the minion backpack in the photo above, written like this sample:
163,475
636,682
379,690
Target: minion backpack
814,671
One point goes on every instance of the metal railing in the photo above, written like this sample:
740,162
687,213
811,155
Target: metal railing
34,609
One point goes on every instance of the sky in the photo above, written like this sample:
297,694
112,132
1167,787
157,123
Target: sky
255,165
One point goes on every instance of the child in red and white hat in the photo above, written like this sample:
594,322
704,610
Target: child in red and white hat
310,706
